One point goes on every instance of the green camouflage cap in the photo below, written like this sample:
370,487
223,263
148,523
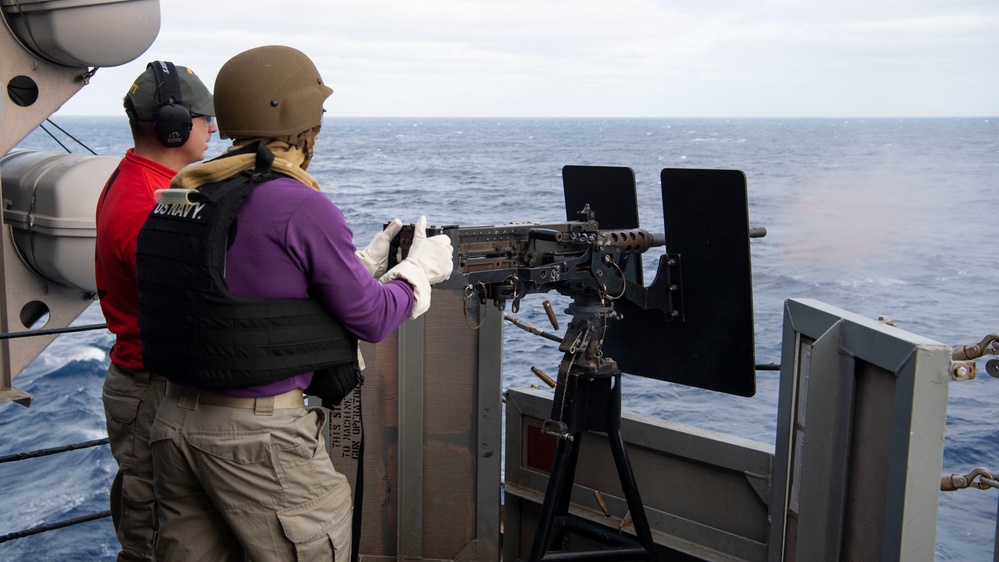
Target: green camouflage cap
141,98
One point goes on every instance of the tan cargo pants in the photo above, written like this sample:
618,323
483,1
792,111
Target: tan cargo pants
243,483
130,403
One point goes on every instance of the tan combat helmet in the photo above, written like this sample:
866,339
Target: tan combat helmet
270,92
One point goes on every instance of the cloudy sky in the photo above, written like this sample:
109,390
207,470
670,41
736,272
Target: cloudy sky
588,58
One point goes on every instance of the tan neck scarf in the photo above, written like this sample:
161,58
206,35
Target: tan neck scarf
288,161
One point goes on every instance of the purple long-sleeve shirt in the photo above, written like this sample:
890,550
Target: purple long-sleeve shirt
293,242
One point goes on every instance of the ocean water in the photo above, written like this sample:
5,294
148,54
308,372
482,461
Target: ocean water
881,217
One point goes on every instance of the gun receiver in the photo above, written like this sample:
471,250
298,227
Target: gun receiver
507,262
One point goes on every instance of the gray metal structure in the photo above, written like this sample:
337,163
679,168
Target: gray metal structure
861,484
49,51
860,436
432,418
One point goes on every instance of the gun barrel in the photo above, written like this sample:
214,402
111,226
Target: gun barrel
634,240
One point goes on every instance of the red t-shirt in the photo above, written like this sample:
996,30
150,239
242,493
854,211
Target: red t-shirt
122,209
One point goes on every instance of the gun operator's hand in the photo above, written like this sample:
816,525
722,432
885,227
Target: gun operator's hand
429,261
375,255
433,254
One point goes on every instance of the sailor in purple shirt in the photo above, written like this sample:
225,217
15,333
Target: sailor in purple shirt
299,240
242,472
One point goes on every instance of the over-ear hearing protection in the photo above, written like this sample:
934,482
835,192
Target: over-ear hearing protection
171,116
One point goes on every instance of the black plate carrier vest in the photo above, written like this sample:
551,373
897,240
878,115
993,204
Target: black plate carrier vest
195,332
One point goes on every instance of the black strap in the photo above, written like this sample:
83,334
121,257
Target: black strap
355,546
264,158
167,82
107,186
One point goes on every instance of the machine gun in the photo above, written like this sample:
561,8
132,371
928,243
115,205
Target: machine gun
506,263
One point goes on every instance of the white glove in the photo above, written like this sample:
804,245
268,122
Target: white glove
432,254
428,262
375,256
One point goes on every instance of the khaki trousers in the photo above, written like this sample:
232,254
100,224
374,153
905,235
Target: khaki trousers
246,483
130,403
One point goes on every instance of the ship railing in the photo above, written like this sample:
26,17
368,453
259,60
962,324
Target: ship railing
53,450
58,524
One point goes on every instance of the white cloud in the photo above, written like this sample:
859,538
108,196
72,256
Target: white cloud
585,58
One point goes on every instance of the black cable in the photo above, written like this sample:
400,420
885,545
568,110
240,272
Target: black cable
63,131
57,524
54,526
70,136
53,450
64,147
50,331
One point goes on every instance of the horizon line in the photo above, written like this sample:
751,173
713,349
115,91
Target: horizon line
334,117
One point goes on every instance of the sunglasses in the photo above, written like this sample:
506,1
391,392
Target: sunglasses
208,118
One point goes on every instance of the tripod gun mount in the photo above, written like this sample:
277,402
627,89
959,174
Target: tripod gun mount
692,325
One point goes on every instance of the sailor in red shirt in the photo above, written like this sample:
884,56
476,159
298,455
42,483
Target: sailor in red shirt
171,115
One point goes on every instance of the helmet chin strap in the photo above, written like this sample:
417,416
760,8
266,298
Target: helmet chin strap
309,146
304,141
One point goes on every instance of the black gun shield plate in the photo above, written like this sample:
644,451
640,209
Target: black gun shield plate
610,192
707,224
